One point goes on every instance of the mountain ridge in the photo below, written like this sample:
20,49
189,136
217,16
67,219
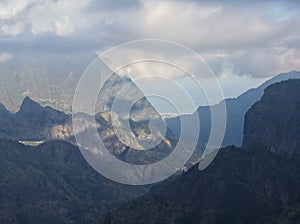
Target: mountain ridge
242,185
34,124
52,183
276,114
236,110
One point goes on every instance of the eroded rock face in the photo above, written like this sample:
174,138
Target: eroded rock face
274,122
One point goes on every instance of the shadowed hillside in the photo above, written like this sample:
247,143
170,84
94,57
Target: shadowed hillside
248,185
52,183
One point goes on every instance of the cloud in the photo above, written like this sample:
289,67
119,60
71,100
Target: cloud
201,25
258,38
10,9
5,56
61,17
12,29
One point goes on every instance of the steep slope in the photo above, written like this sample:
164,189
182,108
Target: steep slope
31,111
236,110
273,123
3,110
141,110
252,185
35,123
238,187
32,122
52,183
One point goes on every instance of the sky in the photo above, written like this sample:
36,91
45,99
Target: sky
243,44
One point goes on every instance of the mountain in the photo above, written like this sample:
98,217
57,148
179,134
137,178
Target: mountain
248,185
238,187
273,122
3,110
51,80
141,110
34,124
236,110
33,112
52,183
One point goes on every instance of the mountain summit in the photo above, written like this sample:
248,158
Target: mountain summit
33,111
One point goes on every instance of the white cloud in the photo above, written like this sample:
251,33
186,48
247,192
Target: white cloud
5,56
265,62
64,26
13,29
155,57
61,17
200,25
233,38
241,40
11,8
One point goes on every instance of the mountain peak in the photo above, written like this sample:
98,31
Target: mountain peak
33,111
27,99
3,109
29,105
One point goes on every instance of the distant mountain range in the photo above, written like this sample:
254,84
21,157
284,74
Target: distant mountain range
52,183
51,80
32,122
35,123
258,183
236,110
48,79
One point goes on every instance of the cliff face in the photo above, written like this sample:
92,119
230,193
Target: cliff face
236,110
273,123
259,184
